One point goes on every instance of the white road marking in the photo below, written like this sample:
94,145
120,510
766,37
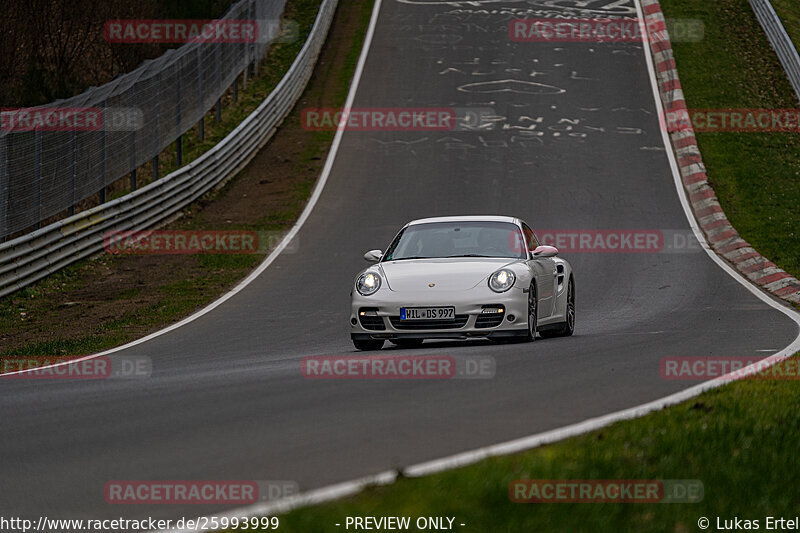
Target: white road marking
511,86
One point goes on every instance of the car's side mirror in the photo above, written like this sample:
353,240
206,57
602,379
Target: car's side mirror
373,256
545,251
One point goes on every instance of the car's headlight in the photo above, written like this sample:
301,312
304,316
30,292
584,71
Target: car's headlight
368,283
502,280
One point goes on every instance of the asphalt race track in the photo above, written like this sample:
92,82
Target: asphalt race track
227,400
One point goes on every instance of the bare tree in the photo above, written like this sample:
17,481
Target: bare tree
13,49
52,49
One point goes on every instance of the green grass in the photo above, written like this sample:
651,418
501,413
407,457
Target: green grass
739,441
790,17
177,299
755,175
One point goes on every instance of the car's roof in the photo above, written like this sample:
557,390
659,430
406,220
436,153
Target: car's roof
466,218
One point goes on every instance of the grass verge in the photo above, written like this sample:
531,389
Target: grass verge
755,175
737,440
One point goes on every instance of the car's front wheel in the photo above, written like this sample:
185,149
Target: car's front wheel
533,319
368,344
566,328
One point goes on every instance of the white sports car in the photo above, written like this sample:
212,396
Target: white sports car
459,278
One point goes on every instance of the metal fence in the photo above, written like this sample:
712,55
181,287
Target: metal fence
780,41
44,173
35,255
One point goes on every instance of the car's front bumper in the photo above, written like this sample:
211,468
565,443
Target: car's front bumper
381,318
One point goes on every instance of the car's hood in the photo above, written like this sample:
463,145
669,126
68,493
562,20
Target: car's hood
447,274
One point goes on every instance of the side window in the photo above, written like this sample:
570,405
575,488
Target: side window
531,239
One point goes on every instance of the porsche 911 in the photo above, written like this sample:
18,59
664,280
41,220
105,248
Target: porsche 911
461,278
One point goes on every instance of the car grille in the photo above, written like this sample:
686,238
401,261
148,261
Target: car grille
373,323
451,323
490,320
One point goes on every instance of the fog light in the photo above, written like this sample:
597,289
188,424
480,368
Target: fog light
353,321
511,318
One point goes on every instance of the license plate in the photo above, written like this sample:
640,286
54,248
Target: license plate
427,313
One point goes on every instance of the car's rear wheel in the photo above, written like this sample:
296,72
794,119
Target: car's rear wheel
533,320
406,343
368,344
566,328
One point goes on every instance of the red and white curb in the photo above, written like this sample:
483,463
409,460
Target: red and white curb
709,214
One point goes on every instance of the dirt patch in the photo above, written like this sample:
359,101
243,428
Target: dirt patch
109,300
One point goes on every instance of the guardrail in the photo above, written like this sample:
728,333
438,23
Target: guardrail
38,254
780,41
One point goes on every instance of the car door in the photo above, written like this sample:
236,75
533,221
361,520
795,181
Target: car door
544,269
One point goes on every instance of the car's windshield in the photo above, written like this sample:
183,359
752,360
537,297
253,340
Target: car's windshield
457,239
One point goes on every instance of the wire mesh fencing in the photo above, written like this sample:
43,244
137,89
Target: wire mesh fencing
53,157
